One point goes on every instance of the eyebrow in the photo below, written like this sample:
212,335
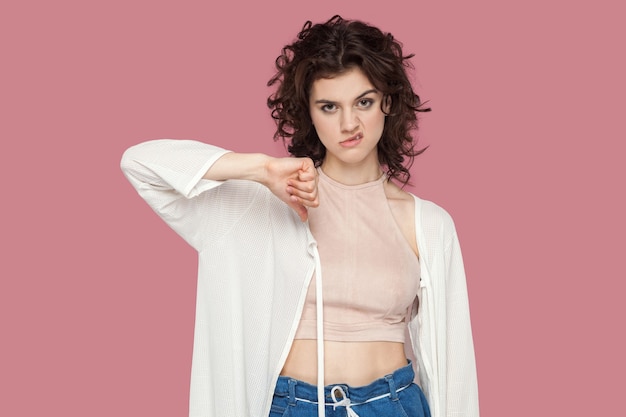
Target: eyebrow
324,101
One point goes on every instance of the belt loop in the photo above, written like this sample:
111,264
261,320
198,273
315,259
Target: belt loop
392,387
292,391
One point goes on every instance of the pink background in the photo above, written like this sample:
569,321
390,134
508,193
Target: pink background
526,152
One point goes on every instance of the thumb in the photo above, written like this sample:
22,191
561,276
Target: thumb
299,208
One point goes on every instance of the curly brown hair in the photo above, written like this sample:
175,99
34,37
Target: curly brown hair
327,49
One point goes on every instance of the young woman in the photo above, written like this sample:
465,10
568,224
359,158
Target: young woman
318,275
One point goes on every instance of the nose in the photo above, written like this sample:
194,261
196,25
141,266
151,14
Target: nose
349,120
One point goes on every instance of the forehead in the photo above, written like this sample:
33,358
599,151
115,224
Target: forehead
342,87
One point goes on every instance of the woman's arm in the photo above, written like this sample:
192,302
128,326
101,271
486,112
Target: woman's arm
180,180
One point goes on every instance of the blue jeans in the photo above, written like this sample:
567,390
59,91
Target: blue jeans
393,395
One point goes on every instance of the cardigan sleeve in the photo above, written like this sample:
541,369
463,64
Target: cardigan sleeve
167,174
441,331
462,387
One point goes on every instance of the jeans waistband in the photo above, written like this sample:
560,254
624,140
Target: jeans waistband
388,385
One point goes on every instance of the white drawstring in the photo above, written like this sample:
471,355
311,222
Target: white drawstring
319,305
345,401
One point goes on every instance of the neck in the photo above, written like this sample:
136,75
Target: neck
353,174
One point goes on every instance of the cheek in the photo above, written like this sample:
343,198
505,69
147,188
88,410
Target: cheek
375,121
322,125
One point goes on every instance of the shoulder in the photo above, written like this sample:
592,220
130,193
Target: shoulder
426,210
398,197
402,208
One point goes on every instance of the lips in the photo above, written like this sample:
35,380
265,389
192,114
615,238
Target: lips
352,141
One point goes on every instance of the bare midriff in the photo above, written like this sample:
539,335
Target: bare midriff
352,363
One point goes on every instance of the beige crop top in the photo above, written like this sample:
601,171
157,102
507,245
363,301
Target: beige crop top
371,274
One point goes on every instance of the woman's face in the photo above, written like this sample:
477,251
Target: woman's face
347,116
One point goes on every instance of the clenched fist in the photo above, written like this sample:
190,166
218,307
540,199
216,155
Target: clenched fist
294,181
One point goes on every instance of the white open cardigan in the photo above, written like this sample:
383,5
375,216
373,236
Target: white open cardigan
256,259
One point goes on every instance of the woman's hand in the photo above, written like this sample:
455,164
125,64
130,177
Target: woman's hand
294,181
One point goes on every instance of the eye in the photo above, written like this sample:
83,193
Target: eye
328,108
365,103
